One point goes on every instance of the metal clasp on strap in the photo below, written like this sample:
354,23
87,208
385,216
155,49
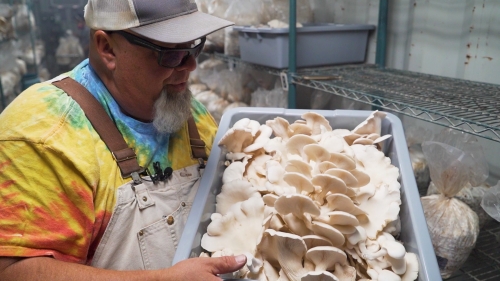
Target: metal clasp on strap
124,154
202,163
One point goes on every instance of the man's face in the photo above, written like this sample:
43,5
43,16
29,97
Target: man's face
145,90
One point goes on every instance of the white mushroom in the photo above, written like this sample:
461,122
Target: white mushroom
411,267
280,127
315,241
285,251
329,232
298,166
319,276
373,124
315,121
234,192
238,230
261,140
302,184
236,139
324,258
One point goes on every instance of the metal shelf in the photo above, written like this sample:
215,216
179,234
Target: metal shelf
467,106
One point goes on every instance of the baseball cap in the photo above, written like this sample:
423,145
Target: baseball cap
169,21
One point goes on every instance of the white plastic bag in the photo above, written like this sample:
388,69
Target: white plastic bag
453,226
491,201
415,135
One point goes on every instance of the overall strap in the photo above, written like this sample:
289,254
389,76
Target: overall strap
197,144
124,156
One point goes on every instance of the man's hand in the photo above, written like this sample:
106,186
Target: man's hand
205,268
45,268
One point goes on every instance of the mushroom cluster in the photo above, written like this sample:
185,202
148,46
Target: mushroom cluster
305,202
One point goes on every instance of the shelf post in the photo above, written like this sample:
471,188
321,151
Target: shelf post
382,33
292,44
2,97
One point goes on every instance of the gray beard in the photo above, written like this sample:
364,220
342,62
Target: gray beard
172,111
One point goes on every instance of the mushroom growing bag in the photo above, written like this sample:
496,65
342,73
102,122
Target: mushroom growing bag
453,226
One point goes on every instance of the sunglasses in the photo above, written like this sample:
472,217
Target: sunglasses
168,57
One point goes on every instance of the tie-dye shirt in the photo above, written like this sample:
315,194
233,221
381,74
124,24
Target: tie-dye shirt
57,177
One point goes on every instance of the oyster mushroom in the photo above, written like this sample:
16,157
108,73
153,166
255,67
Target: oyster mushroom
285,251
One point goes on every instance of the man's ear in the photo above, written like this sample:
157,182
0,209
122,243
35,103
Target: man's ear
105,48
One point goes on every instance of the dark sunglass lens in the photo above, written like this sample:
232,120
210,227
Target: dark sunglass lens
172,58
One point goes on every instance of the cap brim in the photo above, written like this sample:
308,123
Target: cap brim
183,28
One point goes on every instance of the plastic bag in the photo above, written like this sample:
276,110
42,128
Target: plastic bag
475,156
217,8
69,52
280,10
273,98
491,201
472,196
320,99
415,135
226,83
453,226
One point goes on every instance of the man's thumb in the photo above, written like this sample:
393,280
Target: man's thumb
228,264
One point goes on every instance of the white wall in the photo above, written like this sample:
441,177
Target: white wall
453,38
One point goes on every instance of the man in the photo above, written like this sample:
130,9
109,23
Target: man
74,205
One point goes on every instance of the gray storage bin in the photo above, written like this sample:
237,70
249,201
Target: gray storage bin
414,232
317,44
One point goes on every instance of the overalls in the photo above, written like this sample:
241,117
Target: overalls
148,219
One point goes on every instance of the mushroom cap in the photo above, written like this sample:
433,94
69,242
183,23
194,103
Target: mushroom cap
362,177
373,136
285,250
325,166
373,124
299,181
270,199
349,179
296,144
411,267
239,230
314,240
299,226
261,140
242,123
357,236
280,127
298,166
232,193
274,171
299,128
325,257
342,202
345,272
315,152
332,141
338,218
319,276
342,161
363,141
329,183
315,121
235,139
351,137
329,232
296,204
388,275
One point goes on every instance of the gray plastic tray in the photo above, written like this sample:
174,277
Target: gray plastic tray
414,232
317,44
